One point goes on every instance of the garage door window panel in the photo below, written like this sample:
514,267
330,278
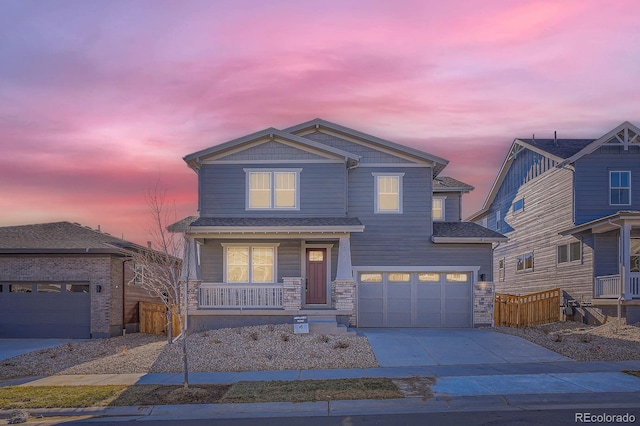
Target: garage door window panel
50,288
20,288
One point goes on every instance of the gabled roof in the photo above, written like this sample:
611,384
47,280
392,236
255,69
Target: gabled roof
319,124
194,160
58,237
449,184
464,232
563,151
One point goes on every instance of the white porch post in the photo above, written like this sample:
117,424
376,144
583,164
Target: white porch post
626,261
344,271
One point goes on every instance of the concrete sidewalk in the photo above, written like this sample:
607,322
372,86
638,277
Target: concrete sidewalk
474,387
489,387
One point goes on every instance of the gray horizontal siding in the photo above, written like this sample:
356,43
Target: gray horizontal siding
272,151
452,205
391,239
368,155
592,181
606,256
223,190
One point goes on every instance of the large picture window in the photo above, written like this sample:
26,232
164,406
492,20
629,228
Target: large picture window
620,188
250,264
273,189
388,192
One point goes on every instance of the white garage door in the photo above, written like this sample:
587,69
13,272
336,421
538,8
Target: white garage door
414,299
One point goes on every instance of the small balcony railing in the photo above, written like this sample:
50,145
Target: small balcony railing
608,286
240,296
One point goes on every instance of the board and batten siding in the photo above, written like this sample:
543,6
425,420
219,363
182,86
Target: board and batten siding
592,181
548,209
223,190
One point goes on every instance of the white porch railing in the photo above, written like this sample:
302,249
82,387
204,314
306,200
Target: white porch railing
635,285
609,286
240,296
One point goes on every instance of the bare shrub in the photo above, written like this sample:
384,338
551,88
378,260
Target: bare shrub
341,345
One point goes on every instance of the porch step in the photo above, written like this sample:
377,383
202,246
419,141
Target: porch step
328,326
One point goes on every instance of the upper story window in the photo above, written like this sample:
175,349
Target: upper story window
498,220
518,205
620,188
273,189
388,192
437,209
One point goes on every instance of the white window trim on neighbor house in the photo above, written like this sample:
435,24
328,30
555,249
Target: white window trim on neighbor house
377,178
518,205
438,217
501,268
250,264
272,189
619,187
566,256
521,259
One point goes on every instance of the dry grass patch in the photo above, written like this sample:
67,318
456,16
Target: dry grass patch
312,390
58,396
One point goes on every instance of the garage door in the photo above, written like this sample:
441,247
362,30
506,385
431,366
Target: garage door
414,299
45,310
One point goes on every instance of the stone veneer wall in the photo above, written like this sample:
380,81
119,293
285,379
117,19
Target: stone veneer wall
94,269
292,293
343,298
483,299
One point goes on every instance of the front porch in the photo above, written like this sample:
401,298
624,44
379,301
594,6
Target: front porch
610,286
273,269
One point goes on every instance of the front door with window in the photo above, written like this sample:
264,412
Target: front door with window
316,276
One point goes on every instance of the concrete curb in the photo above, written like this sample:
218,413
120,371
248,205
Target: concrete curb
620,400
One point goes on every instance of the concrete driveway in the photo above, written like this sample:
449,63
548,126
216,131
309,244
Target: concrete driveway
410,347
14,347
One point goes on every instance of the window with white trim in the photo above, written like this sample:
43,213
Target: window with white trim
250,263
388,192
273,189
498,220
619,188
518,205
437,209
569,253
524,262
501,269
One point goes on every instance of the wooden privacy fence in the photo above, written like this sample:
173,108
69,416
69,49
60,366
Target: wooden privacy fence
524,311
153,319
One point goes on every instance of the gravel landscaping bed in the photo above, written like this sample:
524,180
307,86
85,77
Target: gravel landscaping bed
276,347
270,347
610,342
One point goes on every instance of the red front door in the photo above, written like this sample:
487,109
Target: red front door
316,276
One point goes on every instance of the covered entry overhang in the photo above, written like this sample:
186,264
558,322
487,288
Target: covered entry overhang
317,234
625,285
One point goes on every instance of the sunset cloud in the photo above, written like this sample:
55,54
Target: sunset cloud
101,99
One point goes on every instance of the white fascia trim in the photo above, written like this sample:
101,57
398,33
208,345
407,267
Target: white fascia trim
466,240
274,229
285,162
400,165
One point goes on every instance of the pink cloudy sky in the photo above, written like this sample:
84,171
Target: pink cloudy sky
100,99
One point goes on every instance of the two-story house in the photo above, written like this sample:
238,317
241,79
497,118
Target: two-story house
572,216
327,221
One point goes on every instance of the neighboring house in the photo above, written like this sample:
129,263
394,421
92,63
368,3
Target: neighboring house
327,221
571,211
66,280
